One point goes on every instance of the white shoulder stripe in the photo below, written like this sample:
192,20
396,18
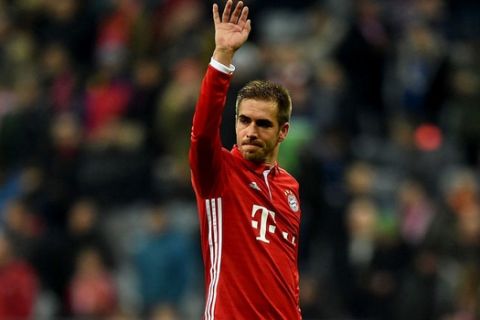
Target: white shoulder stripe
214,219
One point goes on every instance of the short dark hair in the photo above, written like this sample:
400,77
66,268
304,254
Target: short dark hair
266,90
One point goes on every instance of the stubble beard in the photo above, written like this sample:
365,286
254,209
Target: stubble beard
256,157
259,155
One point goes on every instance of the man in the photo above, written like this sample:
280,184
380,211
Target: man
248,206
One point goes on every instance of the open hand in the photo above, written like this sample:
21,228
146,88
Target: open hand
231,30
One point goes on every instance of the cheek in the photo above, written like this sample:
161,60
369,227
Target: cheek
239,132
270,140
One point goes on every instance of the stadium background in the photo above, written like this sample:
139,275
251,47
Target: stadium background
96,99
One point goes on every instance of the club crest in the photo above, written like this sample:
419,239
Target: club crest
292,200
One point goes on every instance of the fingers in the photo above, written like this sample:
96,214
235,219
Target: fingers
248,26
227,11
239,15
237,12
216,15
242,21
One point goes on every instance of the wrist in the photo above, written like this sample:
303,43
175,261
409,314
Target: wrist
223,55
221,67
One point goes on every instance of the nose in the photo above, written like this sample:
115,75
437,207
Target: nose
251,131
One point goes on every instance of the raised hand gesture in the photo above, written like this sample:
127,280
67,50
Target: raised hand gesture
231,30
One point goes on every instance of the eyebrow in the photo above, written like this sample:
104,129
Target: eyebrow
259,122
264,123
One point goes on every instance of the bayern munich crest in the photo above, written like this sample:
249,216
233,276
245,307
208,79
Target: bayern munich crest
292,200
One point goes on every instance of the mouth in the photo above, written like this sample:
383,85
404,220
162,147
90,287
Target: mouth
250,147
251,144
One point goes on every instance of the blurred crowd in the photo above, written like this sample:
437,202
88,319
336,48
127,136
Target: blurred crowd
97,215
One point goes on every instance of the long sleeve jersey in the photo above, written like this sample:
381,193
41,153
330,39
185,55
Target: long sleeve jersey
249,221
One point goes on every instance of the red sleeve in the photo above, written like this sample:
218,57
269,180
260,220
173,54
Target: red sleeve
206,147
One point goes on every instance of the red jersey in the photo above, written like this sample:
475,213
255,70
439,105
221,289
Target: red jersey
18,290
249,221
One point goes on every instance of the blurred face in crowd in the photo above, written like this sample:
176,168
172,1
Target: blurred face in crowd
82,217
62,10
258,130
89,262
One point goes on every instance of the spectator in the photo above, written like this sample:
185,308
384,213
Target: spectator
92,291
162,263
58,249
18,283
24,129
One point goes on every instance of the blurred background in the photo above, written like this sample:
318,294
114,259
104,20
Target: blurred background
97,215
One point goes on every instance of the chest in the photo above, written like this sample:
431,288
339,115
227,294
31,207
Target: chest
264,206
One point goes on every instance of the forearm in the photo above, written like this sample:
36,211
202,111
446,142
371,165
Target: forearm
206,147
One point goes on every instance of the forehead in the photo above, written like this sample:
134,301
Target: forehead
258,109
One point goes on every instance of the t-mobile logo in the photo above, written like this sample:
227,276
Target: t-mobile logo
264,222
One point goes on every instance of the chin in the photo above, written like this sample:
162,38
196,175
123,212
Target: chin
254,157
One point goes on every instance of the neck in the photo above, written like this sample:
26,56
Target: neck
272,159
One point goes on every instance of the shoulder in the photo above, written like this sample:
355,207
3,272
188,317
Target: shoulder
285,173
288,177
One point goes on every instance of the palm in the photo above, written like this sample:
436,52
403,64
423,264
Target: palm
232,29
230,35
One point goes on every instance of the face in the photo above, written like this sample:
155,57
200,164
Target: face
258,132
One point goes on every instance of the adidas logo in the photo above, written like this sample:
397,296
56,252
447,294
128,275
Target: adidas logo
254,185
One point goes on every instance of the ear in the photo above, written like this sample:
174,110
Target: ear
283,131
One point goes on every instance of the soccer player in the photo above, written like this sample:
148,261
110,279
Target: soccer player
248,206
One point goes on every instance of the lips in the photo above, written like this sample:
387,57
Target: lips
252,144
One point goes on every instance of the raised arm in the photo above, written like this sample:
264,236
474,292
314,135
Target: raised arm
231,32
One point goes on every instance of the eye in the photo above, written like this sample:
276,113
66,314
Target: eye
263,123
243,120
